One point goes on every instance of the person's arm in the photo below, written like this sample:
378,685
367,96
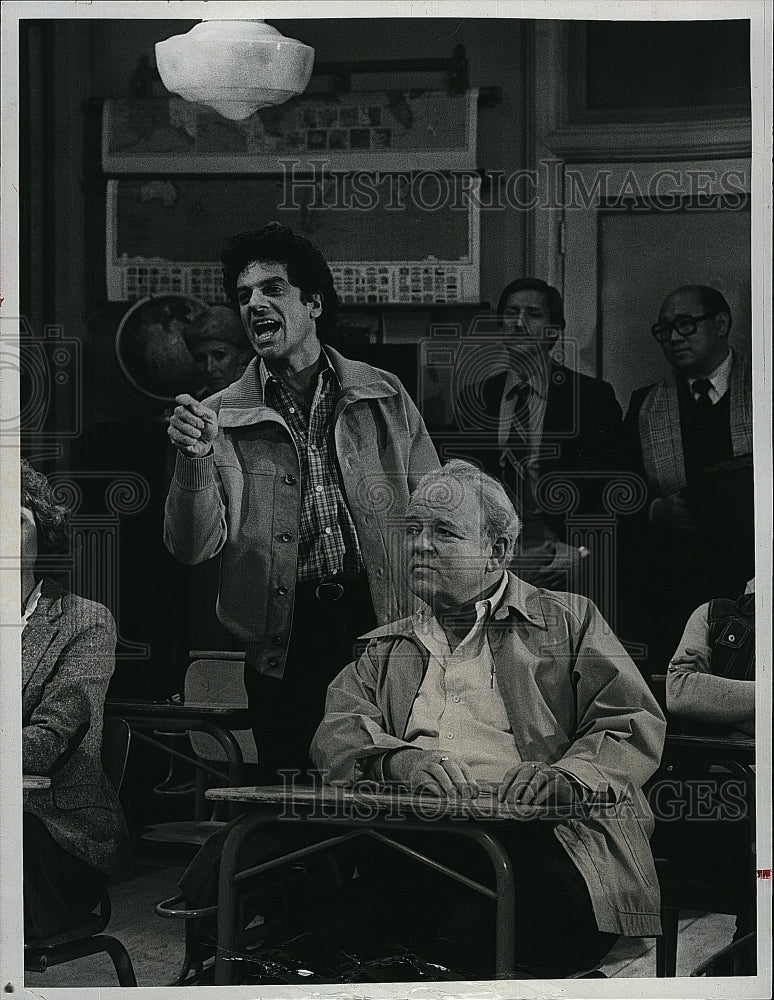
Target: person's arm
620,729
195,513
74,690
422,455
694,692
353,738
603,442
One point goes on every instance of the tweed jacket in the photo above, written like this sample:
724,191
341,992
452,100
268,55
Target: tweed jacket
243,500
68,647
653,427
573,698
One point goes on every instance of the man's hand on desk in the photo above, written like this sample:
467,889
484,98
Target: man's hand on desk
537,784
431,771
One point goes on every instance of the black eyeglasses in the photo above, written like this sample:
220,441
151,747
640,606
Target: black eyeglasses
684,325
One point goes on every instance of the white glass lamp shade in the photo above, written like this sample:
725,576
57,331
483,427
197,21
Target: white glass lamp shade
234,67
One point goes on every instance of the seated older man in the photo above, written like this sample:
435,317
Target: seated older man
501,688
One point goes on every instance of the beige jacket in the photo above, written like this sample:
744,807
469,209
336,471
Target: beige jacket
243,500
574,699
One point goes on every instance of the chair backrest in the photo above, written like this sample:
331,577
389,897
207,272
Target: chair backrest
116,736
218,680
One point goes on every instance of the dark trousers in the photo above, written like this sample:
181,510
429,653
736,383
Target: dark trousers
287,712
556,931
60,890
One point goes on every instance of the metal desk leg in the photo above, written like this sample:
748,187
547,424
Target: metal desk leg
505,932
225,954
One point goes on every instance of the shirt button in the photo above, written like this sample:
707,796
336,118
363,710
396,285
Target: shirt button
731,638
291,409
328,531
290,480
282,591
450,736
457,699
318,489
285,536
276,640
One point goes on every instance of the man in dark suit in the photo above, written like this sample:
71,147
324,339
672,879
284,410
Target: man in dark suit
552,434
690,439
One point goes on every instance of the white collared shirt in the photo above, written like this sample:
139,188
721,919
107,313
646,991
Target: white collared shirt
32,603
719,380
458,707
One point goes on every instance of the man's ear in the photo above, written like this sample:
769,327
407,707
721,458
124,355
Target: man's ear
723,323
499,556
315,303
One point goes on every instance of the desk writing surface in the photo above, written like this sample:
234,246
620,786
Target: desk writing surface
232,716
35,781
365,800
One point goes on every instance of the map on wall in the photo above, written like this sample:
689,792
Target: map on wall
386,130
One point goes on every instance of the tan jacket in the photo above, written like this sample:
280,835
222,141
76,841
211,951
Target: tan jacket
574,699
243,500
68,648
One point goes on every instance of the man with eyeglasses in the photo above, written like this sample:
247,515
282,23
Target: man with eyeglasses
691,441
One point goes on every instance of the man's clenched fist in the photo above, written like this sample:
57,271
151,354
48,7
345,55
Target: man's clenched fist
192,427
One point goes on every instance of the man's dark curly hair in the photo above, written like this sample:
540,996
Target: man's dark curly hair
52,519
306,267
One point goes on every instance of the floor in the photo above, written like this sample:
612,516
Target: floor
156,945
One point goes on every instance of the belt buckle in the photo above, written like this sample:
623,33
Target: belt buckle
327,593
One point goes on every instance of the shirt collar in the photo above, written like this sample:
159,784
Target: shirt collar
720,377
32,602
266,376
517,594
431,633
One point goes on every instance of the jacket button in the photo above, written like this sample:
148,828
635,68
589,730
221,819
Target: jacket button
276,640
290,480
272,661
732,638
282,591
285,536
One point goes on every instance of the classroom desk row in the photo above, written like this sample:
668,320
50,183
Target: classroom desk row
340,815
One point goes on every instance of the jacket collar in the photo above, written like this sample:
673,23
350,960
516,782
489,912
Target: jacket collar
243,402
49,607
41,628
520,598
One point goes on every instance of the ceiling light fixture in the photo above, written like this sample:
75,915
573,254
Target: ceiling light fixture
234,67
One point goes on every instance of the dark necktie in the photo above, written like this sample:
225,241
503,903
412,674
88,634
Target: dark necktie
700,390
520,420
522,468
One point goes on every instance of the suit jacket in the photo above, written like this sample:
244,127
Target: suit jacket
582,436
68,647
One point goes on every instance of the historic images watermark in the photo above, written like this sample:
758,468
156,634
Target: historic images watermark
670,800
309,185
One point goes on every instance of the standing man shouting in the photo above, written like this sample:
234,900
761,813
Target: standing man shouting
298,475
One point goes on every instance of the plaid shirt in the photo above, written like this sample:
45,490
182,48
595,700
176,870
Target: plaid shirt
327,542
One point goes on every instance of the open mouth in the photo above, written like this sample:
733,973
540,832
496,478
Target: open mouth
264,329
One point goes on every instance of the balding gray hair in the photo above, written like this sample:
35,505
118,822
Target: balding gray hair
498,516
